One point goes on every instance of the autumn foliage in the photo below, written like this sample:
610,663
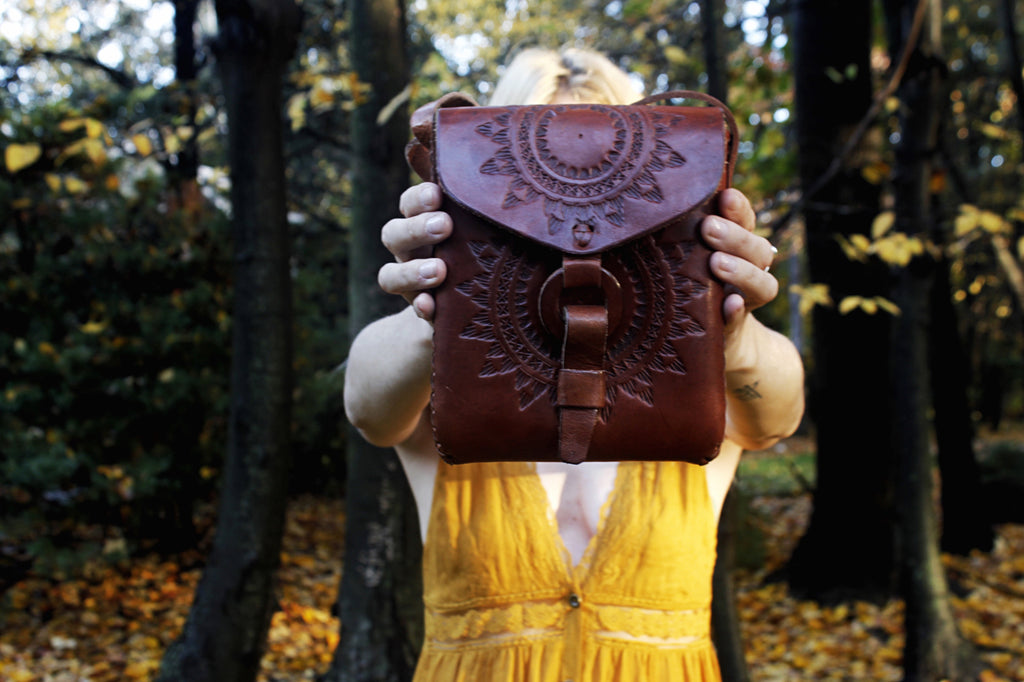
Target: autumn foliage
113,621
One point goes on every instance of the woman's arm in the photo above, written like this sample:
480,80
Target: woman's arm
763,370
387,380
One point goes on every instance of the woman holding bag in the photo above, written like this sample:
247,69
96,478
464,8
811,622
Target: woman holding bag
538,572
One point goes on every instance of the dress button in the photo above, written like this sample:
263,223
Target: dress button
574,601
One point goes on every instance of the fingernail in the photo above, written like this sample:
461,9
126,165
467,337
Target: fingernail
713,226
428,270
435,225
726,262
428,197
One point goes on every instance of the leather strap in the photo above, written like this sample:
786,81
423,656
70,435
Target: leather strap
418,151
581,380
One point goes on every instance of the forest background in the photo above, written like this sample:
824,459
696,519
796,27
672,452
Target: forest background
189,205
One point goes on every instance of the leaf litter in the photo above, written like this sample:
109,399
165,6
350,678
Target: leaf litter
113,622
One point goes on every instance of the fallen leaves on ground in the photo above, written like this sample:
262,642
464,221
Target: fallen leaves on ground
114,623
788,639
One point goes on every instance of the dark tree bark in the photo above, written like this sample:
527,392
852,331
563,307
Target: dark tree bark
224,638
934,649
725,622
1013,61
186,168
966,518
380,598
849,548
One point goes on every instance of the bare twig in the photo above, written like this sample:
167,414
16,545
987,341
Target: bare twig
864,124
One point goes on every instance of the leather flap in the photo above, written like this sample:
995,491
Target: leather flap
580,178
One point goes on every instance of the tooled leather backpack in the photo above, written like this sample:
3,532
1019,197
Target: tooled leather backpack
578,319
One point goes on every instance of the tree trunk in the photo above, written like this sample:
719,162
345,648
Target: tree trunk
1013,62
934,649
380,599
186,168
966,521
224,638
849,548
725,622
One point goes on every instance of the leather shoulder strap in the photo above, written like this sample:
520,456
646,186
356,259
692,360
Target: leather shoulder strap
418,151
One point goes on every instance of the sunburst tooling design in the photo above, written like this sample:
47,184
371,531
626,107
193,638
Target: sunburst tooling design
643,343
585,165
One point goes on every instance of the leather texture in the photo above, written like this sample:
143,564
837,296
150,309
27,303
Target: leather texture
578,319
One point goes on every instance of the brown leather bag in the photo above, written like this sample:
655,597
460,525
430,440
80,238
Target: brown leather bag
578,319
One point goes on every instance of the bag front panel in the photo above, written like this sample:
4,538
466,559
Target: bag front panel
497,346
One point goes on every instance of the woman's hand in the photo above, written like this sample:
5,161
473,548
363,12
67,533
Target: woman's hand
741,259
410,239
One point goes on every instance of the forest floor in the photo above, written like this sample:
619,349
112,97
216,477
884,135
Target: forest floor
114,622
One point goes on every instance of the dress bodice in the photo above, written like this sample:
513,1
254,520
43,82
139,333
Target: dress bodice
505,602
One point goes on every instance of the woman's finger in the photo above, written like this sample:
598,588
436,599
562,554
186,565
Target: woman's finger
407,238
410,278
420,198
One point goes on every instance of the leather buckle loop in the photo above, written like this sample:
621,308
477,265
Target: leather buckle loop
555,296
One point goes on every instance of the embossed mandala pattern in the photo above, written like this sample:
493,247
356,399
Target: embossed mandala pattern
582,175
641,344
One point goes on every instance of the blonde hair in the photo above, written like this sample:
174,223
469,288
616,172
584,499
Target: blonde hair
539,76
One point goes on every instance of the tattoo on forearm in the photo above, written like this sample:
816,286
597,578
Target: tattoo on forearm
748,392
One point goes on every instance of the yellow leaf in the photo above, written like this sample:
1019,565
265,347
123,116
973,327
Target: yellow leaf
965,223
811,295
93,128
171,141
1020,248
53,181
320,96
92,327
850,303
875,172
112,183
898,248
46,348
143,145
882,223
359,89
70,124
888,306
90,147
166,376
22,203
75,185
675,54
851,252
860,242
992,223
993,131
297,111
19,156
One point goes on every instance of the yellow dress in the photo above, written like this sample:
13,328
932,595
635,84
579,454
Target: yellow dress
504,602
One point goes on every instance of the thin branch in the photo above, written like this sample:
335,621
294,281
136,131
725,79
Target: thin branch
865,123
120,78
